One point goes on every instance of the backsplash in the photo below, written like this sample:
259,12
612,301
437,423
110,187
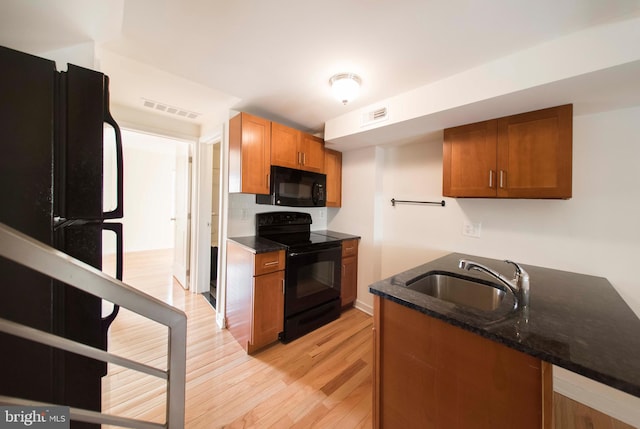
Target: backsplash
243,209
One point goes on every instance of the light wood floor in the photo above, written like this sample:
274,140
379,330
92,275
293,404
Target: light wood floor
322,380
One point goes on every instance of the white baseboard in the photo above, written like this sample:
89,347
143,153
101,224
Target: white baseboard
364,307
220,320
605,399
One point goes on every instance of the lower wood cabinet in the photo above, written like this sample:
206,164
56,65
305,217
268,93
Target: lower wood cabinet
429,374
349,279
255,296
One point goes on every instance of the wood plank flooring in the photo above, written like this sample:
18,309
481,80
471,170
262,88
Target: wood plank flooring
322,380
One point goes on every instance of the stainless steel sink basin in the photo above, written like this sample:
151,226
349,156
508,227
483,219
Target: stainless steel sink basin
460,291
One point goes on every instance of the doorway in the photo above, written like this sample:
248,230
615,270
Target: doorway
157,172
210,218
215,223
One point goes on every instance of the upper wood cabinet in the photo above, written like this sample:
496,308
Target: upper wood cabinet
312,149
520,156
294,149
469,160
285,144
333,170
249,154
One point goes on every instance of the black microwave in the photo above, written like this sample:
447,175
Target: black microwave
295,188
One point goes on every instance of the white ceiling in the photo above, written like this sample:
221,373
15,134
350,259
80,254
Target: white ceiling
274,58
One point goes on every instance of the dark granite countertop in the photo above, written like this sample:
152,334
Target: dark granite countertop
258,244
337,235
574,321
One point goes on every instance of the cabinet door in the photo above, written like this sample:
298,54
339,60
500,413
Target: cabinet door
312,149
429,374
239,287
333,170
349,286
285,144
469,160
534,154
268,309
349,279
249,154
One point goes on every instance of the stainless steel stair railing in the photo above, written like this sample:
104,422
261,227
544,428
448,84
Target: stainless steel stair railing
33,254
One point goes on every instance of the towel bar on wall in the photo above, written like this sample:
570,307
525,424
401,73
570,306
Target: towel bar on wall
394,202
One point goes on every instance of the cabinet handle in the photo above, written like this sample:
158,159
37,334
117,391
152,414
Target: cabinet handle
282,286
348,248
490,178
299,158
269,264
268,184
304,158
503,175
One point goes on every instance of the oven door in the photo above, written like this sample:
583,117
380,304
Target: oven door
312,277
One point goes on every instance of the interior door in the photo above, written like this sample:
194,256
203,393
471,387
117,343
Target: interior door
215,196
182,214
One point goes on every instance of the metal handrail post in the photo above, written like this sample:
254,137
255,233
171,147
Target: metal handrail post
177,360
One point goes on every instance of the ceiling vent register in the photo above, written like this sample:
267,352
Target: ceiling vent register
173,110
374,116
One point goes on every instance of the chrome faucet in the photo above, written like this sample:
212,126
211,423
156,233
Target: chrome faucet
519,285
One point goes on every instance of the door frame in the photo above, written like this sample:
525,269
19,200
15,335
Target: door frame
189,207
201,219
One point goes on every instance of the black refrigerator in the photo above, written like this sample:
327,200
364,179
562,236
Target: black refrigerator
51,188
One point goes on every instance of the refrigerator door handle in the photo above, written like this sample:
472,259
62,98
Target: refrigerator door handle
116,213
117,229
107,321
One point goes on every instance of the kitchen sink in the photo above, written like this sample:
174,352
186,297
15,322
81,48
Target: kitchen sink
461,291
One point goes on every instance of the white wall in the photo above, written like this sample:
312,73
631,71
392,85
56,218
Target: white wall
148,121
243,208
360,215
82,55
594,232
149,167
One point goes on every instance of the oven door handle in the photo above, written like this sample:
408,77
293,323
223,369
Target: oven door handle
314,251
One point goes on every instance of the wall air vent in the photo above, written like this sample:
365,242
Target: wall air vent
164,107
379,114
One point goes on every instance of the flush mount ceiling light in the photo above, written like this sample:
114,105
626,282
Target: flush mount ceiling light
345,86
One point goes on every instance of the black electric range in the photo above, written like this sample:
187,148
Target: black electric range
312,273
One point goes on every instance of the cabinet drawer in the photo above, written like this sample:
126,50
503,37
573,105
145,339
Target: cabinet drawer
269,262
349,248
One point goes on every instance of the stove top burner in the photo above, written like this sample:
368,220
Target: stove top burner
296,240
292,229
